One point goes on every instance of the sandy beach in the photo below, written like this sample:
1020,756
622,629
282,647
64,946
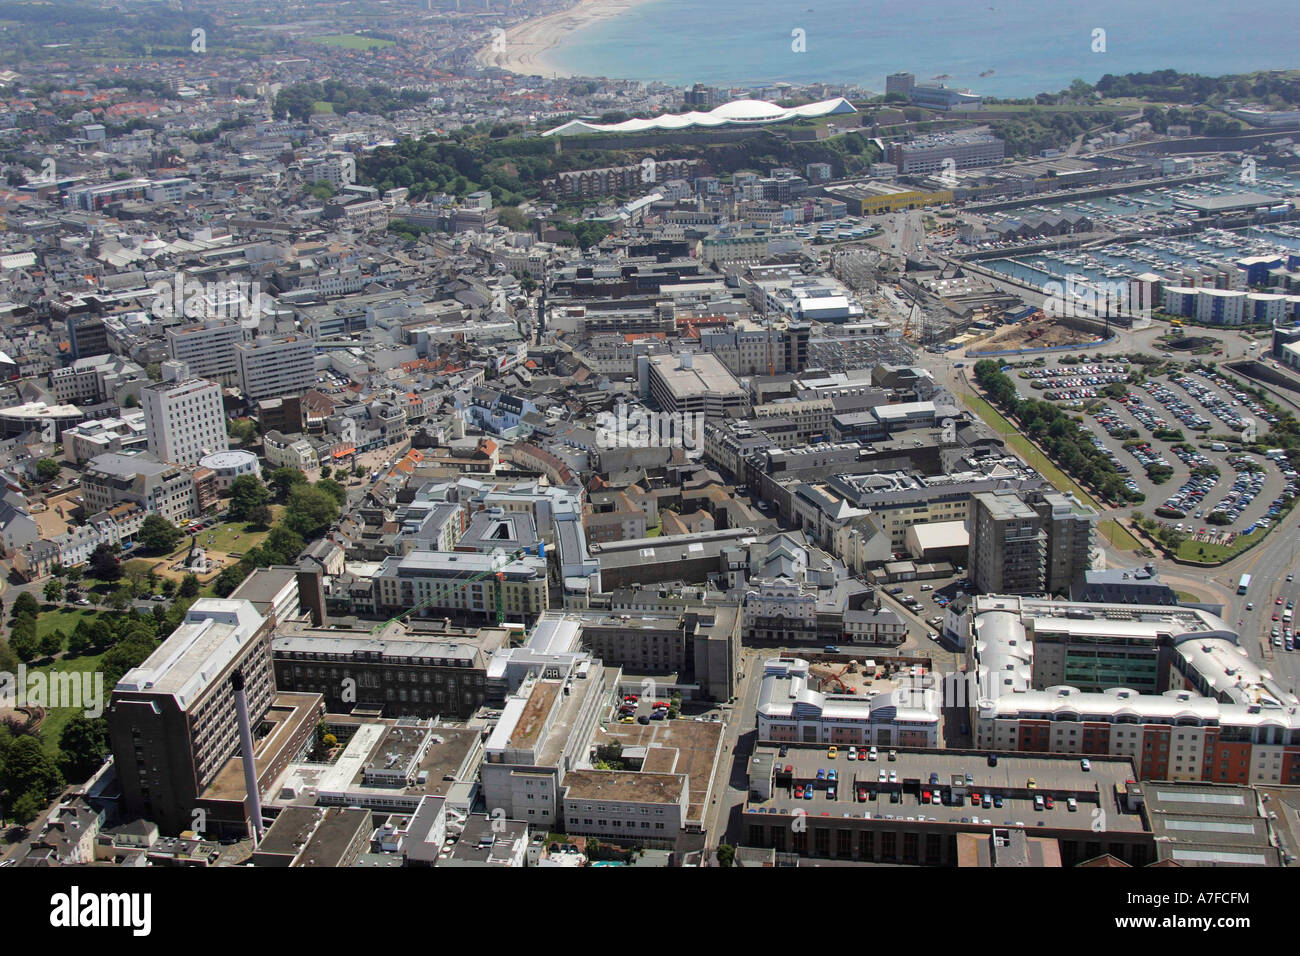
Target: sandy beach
528,45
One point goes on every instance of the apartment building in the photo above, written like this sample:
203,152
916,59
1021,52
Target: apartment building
1029,542
1007,544
96,379
184,420
791,710
270,368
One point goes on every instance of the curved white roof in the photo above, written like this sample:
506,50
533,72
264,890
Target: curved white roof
742,112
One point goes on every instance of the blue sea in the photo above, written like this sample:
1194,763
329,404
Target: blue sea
1031,46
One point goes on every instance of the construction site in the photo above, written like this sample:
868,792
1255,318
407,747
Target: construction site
865,677
1041,331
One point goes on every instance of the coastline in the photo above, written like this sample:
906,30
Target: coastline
530,45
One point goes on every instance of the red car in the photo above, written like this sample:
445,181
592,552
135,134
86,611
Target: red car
1048,802
862,755
1279,599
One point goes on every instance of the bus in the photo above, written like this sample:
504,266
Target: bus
1244,584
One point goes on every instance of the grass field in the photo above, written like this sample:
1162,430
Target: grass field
1118,535
1188,596
236,536
1026,450
1217,553
228,536
56,718
64,619
351,41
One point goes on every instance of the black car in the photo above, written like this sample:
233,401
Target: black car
993,760
784,750
643,719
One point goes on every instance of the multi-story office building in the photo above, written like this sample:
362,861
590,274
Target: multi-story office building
463,584
184,420
1164,685
269,368
208,349
695,384
171,721
403,673
929,154
156,486
102,435
646,809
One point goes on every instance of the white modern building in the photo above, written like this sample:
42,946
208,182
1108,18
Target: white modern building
208,349
270,368
184,420
790,710
229,465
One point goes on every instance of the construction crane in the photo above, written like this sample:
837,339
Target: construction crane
446,589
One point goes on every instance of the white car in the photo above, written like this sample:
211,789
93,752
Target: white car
873,754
